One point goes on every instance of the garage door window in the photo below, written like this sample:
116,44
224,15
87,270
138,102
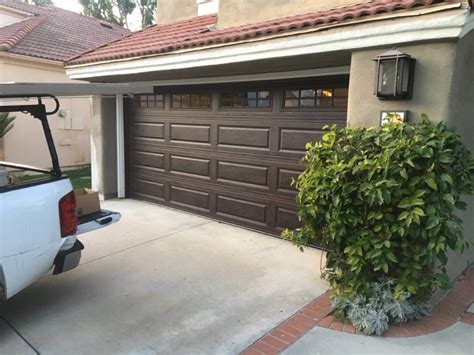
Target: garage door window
191,101
148,101
259,99
315,98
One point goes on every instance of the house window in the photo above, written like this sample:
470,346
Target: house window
148,101
190,101
316,98
246,99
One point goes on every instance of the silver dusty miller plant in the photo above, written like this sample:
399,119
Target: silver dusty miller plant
374,314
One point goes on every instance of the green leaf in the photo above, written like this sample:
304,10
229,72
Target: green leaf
405,203
391,256
433,221
403,173
460,205
446,178
419,193
418,211
445,158
449,199
403,215
431,183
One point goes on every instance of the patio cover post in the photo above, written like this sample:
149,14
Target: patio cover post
120,147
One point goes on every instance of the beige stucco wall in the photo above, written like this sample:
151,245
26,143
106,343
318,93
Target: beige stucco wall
104,146
434,69
25,142
239,12
443,89
169,11
461,116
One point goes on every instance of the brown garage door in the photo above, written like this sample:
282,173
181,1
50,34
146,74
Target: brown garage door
229,151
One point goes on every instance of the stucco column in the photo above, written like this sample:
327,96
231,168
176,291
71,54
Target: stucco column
104,146
120,146
444,83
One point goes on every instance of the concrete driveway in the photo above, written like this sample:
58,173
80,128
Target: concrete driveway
163,281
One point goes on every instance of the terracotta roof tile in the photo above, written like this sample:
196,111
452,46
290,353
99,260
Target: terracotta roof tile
55,34
199,32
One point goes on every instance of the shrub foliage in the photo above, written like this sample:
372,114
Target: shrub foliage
383,200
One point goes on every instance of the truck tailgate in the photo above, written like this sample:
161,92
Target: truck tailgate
96,220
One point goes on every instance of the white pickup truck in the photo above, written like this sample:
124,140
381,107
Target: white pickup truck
38,221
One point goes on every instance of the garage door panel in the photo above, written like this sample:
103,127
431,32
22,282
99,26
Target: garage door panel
148,130
242,209
242,173
244,137
294,140
286,218
154,190
191,166
189,198
147,159
285,177
199,134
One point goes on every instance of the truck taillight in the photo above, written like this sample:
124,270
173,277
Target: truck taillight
67,214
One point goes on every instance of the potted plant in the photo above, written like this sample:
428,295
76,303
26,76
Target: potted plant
6,124
383,201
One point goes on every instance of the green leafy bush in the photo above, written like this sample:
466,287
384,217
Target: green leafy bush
383,200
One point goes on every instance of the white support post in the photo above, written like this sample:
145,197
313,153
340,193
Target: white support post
120,147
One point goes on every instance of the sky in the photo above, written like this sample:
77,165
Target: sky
73,5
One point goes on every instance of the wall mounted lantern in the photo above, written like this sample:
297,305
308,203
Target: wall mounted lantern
394,75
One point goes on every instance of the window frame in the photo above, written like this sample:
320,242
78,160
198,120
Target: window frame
300,98
245,92
190,94
139,101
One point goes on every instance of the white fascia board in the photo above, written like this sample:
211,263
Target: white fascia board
449,26
284,75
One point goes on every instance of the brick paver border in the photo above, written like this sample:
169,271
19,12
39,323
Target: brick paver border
318,313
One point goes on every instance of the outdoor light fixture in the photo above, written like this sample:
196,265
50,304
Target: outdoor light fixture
394,75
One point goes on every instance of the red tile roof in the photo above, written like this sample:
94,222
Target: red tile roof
53,33
200,31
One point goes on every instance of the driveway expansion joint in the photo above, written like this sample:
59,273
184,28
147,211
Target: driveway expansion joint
454,307
21,336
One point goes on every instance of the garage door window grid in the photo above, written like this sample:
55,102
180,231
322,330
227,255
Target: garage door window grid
315,98
191,101
148,101
257,99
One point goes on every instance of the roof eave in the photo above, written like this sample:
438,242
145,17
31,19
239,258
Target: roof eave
450,26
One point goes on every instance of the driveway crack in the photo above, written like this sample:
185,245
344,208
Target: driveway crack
17,332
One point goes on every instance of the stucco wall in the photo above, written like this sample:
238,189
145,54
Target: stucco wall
239,12
443,89
169,11
434,70
461,116
25,142
104,146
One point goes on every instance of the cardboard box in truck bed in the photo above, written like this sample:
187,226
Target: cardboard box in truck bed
87,202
